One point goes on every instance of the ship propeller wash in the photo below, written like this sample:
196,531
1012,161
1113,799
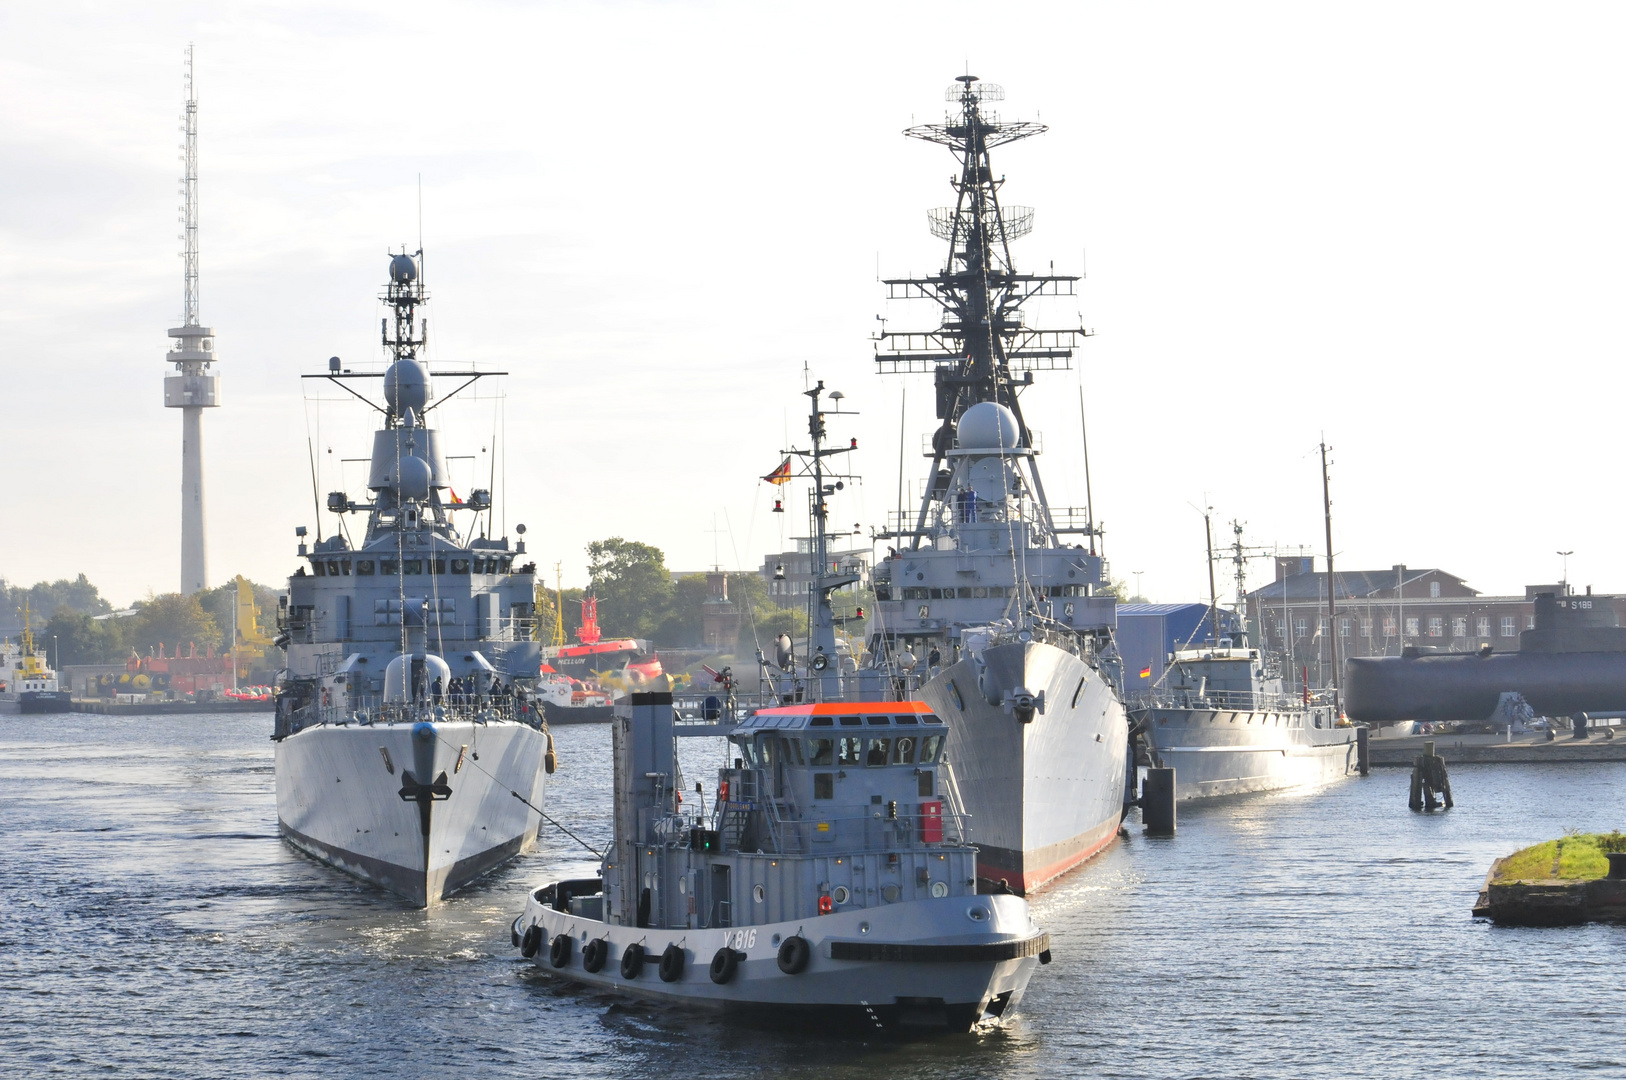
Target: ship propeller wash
993,608
405,754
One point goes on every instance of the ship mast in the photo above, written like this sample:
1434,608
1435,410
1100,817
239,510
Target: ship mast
981,345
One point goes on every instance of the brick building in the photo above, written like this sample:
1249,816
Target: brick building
1379,612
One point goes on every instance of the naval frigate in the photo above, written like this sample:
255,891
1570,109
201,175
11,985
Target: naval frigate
992,608
404,754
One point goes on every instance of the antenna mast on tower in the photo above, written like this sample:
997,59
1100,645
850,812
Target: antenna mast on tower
193,388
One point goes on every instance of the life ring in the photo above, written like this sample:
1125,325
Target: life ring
531,943
594,953
559,951
723,965
826,905
794,953
672,963
632,961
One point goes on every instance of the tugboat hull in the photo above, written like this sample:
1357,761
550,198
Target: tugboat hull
974,956
1045,795
410,807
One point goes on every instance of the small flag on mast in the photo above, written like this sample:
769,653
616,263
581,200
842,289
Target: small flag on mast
455,500
1146,672
780,475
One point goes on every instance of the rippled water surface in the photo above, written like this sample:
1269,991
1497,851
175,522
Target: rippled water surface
152,924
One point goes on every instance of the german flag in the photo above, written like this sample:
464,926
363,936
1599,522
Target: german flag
1146,672
780,475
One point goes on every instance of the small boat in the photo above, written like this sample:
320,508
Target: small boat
829,880
27,682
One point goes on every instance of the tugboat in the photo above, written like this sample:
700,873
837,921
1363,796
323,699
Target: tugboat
594,654
989,609
1220,718
27,683
404,753
830,879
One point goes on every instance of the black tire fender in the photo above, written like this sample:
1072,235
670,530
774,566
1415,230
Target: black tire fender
723,966
672,963
559,951
794,954
594,953
632,961
531,943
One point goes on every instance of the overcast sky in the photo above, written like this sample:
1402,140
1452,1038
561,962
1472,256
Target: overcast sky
1398,224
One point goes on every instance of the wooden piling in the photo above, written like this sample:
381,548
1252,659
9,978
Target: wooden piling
1157,801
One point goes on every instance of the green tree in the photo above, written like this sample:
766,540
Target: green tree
46,598
174,621
78,638
633,586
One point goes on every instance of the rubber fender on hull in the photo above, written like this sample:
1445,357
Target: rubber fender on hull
672,963
531,943
632,961
794,953
723,966
559,951
594,953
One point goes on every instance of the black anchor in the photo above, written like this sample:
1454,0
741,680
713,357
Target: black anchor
424,794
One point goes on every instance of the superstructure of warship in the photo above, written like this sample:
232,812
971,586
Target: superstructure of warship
991,608
404,753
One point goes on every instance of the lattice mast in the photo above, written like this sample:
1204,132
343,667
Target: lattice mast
982,343
193,387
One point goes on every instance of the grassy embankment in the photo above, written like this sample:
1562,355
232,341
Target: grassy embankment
1578,857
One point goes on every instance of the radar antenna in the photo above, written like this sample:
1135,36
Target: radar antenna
981,342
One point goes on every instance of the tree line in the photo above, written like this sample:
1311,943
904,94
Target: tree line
63,614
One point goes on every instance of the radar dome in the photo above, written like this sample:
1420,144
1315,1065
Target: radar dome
403,271
988,425
414,475
406,386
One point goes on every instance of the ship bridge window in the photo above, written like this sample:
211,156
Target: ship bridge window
320,568
937,594
929,747
364,567
821,751
460,566
388,566
440,566
411,566
980,592
905,720
880,750
824,785
996,592
915,593
903,751
851,721
506,565
965,592
819,721
879,720
930,718
790,750
850,748
479,566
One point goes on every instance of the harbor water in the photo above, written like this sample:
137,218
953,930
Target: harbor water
153,925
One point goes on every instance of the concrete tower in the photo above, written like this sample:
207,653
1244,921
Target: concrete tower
192,389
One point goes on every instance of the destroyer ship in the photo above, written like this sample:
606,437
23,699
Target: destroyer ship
1219,715
991,608
404,756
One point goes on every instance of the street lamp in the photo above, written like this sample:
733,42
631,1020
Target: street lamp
1137,574
1564,582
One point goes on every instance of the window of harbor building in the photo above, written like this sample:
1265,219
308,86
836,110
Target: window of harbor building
1484,626
1300,627
1343,627
1434,589
1459,626
1509,626
1388,628
1436,628
1411,627
1366,627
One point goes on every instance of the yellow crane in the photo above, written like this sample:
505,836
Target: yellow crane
249,641
557,631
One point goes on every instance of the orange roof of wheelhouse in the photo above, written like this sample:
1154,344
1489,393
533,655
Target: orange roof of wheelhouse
848,708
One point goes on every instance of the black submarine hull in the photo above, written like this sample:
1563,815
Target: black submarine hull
1458,687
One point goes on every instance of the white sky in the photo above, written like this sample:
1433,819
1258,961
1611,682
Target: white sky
1400,224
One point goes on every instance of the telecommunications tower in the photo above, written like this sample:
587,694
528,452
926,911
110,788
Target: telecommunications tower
192,388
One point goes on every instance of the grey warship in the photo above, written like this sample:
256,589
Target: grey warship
403,756
991,608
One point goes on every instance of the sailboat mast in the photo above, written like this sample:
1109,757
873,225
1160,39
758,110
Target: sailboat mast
1213,592
1332,603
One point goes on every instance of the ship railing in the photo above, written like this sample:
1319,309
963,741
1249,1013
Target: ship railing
1230,700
